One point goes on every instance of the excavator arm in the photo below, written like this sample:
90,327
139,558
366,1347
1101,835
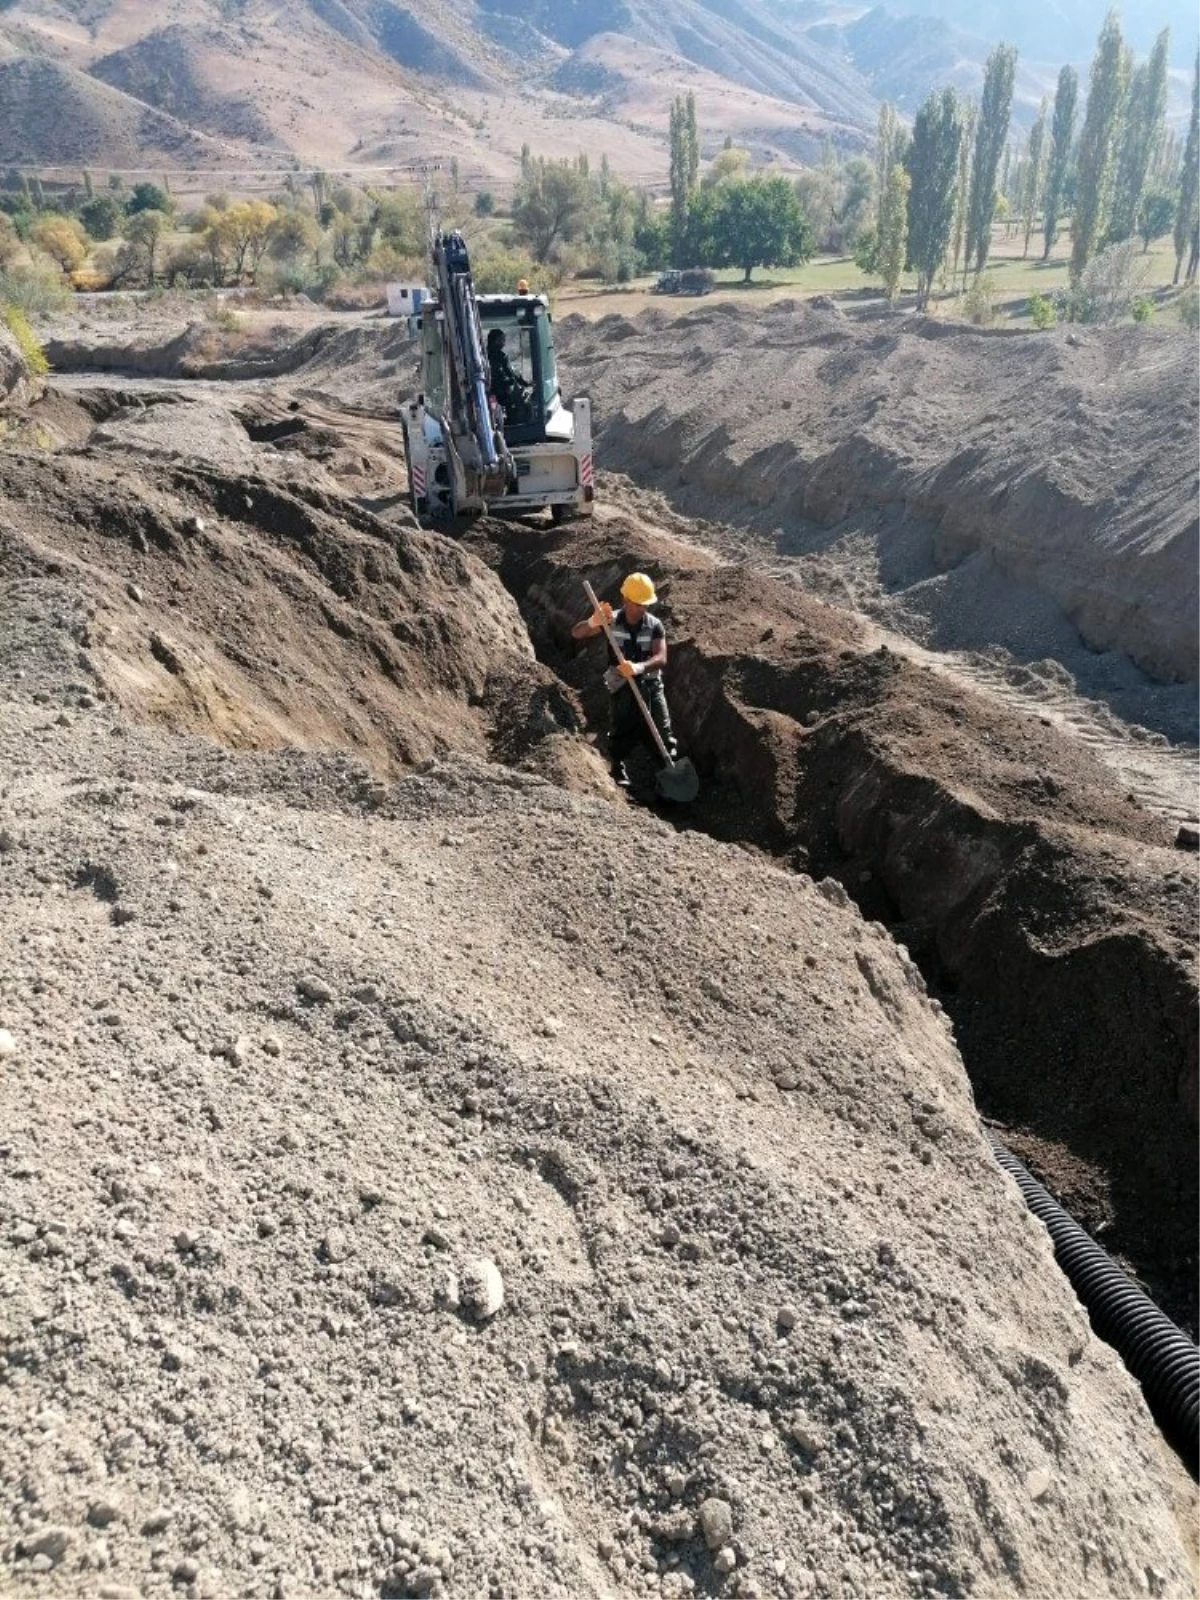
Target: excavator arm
477,447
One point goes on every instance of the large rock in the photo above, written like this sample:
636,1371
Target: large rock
18,385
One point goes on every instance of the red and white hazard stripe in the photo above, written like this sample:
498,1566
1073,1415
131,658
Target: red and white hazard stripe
585,471
418,481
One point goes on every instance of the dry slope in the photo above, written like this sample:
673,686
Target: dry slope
1069,462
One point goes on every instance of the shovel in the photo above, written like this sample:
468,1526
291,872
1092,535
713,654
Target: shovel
677,780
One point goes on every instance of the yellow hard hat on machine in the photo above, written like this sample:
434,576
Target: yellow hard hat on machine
638,589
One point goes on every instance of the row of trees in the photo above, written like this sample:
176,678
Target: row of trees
938,187
731,217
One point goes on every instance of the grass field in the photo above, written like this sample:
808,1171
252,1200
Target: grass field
1010,278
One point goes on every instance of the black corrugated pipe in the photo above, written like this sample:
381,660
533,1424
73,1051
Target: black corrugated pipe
1161,1357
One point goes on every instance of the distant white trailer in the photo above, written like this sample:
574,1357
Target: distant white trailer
404,299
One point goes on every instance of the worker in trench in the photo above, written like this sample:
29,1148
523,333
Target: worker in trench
642,641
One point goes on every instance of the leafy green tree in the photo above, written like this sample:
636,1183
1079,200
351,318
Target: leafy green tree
1156,215
933,172
652,235
144,234
149,197
485,203
101,216
552,206
1145,118
1187,213
754,222
1035,174
294,236
400,222
892,243
991,138
1106,90
1062,140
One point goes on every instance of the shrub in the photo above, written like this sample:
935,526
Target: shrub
1041,311
1143,308
498,273
15,320
1189,307
1108,286
978,305
218,315
34,289
866,253
485,203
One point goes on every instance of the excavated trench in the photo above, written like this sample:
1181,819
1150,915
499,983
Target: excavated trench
1052,918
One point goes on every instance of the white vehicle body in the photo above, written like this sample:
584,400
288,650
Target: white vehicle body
541,449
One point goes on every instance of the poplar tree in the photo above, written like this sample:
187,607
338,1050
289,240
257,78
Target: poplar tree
893,230
1106,89
685,168
1145,117
1188,209
693,144
1066,98
885,138
991,138
1035,170
933,171
963,185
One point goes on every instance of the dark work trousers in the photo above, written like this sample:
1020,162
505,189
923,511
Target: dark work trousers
628,725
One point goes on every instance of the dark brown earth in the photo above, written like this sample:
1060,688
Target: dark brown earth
1054,917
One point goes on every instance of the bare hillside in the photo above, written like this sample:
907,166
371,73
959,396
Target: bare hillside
344,82
164,70
52,114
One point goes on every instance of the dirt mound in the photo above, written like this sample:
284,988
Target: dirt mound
162,70
1041,905
365,359
919,440
54,115
419,1179
262,615
405,1232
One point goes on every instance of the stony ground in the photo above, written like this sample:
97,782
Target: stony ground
419,1177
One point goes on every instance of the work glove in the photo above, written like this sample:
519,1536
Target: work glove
602,617
629,669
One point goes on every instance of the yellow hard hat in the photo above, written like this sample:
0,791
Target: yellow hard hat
638,589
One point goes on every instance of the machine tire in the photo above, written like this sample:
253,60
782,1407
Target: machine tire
560,514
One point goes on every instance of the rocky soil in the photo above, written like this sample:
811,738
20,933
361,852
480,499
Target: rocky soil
423,1172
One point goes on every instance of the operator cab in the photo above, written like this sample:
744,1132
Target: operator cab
539,416
524,319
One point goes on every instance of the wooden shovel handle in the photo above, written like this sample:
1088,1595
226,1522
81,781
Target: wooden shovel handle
637,693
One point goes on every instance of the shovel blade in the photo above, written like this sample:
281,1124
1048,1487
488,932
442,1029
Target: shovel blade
678,782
